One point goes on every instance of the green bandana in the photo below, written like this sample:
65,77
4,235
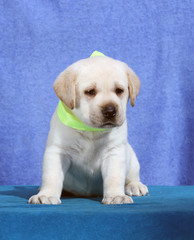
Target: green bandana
69,119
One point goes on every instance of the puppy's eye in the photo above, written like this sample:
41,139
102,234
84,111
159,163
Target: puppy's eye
91,92
119,91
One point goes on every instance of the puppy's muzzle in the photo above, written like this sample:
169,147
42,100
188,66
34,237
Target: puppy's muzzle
109,111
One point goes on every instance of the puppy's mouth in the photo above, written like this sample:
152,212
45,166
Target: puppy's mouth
104,124
108,125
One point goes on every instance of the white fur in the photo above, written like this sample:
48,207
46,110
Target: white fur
92,163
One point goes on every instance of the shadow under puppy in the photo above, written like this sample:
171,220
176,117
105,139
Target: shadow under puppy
98,161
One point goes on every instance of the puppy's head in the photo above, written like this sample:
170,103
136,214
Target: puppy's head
97,90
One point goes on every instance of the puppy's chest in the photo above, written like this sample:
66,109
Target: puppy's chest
84,176
88,154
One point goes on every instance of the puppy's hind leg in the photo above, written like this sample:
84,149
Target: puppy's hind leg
133,186
52,178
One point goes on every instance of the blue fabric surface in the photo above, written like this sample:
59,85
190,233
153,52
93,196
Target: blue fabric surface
167,213
41,38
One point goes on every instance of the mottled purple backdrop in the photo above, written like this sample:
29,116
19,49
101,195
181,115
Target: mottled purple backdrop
41,38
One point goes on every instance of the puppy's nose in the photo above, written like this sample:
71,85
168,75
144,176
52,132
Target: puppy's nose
109,111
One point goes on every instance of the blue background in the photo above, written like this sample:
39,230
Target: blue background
39,39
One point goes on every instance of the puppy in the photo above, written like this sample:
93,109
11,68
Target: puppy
92,163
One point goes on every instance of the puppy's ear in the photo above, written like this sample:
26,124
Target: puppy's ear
64,86
133,85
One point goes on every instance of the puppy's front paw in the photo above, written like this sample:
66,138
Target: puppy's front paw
117,200
42,199
136,188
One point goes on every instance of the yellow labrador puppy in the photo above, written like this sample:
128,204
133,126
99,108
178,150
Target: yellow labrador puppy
92,163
